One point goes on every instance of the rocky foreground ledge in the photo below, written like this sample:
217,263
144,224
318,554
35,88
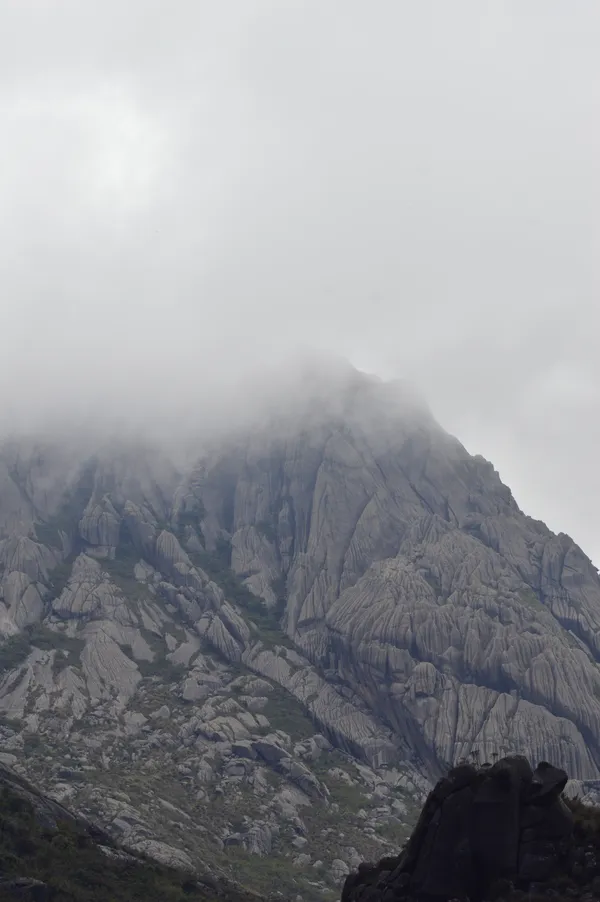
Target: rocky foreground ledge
499,832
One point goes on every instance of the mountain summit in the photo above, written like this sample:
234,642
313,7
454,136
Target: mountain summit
307,624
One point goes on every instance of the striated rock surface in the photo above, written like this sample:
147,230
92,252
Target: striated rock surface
412,577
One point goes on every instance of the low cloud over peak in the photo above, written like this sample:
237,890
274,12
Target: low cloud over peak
190,193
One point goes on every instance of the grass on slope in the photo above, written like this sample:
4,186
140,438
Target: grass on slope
16,649
267,621
75,869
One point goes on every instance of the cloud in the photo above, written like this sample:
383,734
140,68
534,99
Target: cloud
188,191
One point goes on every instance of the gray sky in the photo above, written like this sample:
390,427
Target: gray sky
189,188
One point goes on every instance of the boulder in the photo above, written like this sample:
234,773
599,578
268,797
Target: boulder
339,870
269,751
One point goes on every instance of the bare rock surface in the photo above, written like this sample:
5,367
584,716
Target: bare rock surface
411,573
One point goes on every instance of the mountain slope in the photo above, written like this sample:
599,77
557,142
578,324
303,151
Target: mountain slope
48,853
223,662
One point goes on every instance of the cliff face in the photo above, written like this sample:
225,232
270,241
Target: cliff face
322,611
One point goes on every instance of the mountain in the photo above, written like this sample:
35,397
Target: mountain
224,660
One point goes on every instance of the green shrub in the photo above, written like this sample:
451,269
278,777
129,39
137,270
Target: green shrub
15,650
287,714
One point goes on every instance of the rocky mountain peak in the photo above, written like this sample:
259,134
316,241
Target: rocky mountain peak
323,607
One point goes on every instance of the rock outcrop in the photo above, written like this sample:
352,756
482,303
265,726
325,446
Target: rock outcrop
488,833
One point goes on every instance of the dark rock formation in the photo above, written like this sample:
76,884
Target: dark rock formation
49,813
491,833
24,888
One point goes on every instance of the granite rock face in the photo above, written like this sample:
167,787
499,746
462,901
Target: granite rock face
411,575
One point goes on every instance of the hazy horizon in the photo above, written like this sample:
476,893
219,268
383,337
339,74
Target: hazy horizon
192,191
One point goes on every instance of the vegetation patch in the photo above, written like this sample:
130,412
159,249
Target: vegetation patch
16,649
121,568
160,666
288,715
10,723
266,620
268,873
267,531
14,652
73,868
60,576
70,511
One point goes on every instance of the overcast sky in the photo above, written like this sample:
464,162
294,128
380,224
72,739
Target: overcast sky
188,188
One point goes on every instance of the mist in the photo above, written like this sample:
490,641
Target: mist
193,194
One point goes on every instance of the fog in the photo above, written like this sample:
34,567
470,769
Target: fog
191,190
